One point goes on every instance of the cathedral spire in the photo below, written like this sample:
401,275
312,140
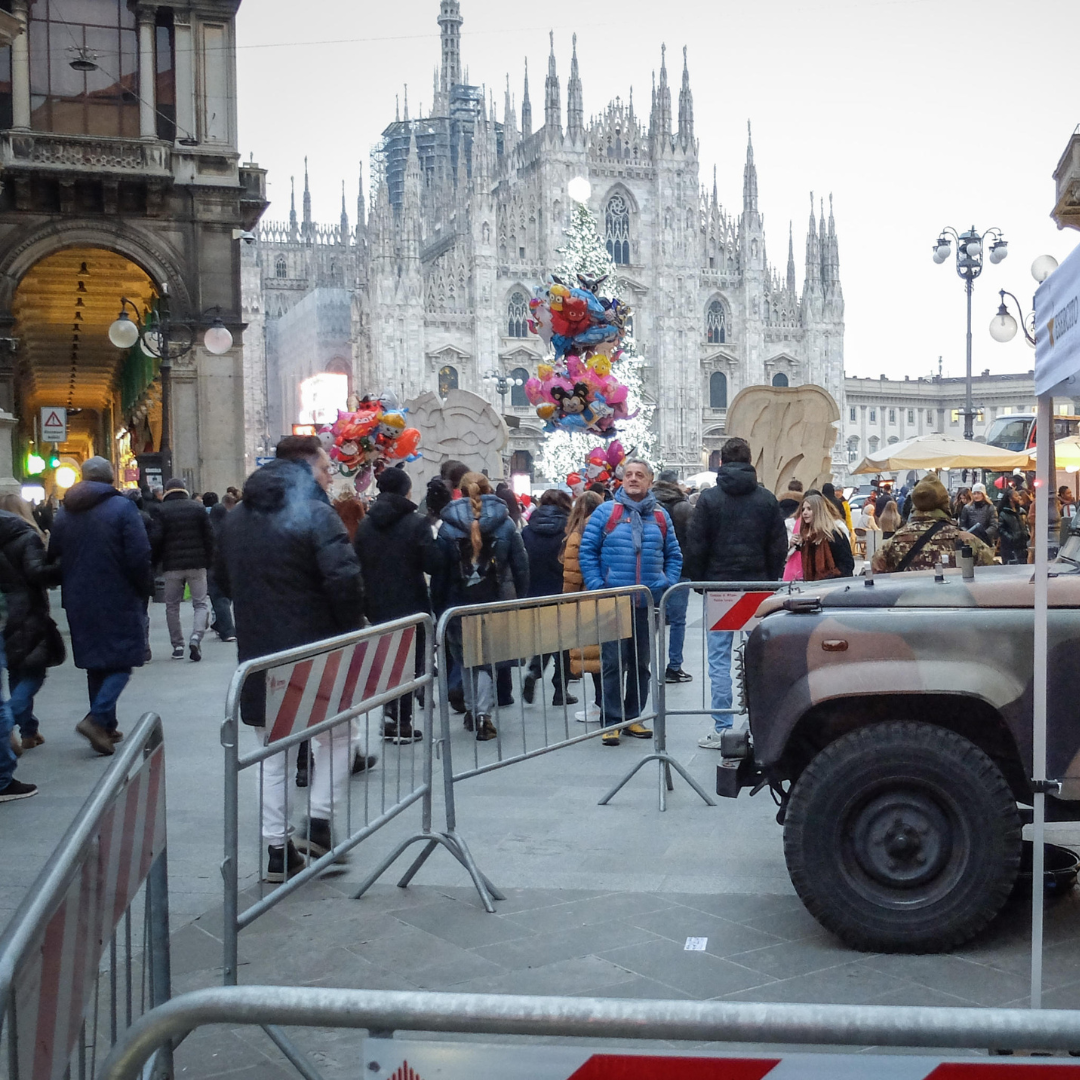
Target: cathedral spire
686,107
344,238
509,116
834,254
526,106
749,184
361,209
306,227
812,281
292,208
450,30
715,200
660,121
406,103
552,102
575,110
791,259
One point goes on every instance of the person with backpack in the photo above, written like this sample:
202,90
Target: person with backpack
480,558
629,541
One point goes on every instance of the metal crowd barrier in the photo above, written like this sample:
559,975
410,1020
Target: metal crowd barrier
727,606
693,1021
318,692
80,962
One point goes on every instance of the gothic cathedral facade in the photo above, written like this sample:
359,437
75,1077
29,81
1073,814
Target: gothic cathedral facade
429,289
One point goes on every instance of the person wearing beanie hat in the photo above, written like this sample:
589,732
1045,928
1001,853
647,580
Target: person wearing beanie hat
979,516
396,548
929,537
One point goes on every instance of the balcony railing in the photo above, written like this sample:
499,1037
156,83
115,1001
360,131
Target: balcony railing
83,153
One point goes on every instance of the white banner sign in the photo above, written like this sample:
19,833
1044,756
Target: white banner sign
54,424
1057,328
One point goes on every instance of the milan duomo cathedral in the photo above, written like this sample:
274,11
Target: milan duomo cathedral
428,289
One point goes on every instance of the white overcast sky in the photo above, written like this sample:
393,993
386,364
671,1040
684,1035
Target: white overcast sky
914,113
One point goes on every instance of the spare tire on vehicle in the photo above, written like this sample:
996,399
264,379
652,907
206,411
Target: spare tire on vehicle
902,837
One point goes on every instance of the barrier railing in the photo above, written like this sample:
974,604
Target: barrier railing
727,613
60,1005
321,692
695,1021
489,643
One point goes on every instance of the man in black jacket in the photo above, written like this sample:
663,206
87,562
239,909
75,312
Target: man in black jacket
185,550
285,561
673,499
396,547
737,533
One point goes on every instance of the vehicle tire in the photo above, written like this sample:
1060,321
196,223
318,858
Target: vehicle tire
902,837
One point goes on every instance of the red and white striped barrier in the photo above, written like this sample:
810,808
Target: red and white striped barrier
305,693
54,983
733,610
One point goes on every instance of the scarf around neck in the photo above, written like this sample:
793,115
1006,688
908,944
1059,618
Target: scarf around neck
637,510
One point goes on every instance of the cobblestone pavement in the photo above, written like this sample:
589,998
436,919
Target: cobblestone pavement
600,900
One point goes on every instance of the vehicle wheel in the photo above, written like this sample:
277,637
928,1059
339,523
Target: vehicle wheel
902,837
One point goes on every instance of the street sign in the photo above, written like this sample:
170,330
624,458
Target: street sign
261,461
1057,328
54,424
733,610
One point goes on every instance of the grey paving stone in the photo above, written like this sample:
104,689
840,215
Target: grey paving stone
641,988
541,949
738,907
724,937
577,976
409,949
977,982
193,949
848,984
696,973
607,907
792,958
920,995
463,924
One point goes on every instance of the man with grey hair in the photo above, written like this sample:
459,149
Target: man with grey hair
100,542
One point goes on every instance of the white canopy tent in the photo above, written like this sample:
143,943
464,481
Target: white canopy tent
941,452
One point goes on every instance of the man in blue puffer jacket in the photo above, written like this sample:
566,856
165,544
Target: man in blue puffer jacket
629,541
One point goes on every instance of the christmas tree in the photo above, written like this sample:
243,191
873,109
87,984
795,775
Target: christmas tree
564,452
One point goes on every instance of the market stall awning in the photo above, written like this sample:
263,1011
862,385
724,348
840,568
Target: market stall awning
941,452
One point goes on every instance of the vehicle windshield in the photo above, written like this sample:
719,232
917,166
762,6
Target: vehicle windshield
1009,434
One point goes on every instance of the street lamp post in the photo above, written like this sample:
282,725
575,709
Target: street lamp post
969,265
503,383
167,340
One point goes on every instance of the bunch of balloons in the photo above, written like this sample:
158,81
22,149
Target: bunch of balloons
364,439
578,392
604,465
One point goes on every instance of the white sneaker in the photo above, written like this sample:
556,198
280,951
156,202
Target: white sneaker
589,715
711,741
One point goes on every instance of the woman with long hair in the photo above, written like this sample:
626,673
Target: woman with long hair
32,642
586,659
824,542
480,558
889,519
1012,528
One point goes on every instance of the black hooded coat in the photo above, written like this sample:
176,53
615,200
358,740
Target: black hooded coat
543,539
737,532
396,548
31,639
285,561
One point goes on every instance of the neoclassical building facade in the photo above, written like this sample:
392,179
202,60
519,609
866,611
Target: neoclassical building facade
428,287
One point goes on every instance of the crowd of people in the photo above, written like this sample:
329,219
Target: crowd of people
282,564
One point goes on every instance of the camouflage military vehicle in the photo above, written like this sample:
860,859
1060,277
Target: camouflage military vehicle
892,719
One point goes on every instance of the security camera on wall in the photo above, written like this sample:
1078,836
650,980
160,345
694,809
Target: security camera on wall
244,235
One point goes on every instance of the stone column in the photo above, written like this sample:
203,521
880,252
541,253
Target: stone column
8,484
20,69
146,16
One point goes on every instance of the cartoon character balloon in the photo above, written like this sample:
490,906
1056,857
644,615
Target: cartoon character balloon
362,440
578,392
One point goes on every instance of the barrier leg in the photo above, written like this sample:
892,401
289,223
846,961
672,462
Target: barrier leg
292,1052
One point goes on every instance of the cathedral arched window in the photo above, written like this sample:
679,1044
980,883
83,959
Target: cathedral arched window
617,226
853,448
281,267
718,390
448,379
716,324
873,443
517,393
517,315
780,379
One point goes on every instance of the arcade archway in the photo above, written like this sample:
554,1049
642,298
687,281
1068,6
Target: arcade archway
62,309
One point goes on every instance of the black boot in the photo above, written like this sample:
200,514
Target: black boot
276,867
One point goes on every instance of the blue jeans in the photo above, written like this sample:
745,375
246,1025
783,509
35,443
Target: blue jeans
7,755
626,662
222,605
720,675
105,686
24,684
676,618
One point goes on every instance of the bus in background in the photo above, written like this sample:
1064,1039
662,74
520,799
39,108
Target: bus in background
1016,431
